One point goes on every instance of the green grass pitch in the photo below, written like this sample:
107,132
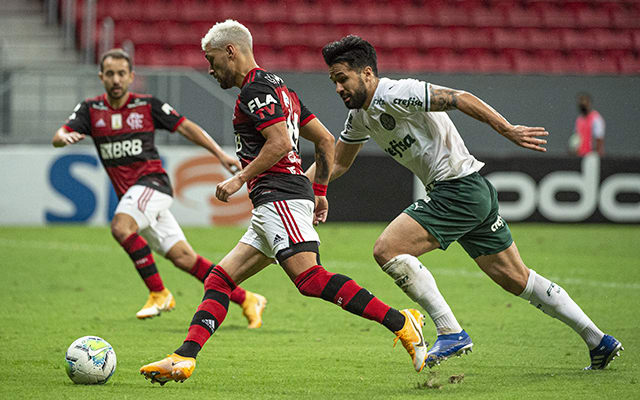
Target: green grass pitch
63,282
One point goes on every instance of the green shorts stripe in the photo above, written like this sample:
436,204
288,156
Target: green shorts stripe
464,210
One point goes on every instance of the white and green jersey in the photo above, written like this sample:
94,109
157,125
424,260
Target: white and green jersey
398,119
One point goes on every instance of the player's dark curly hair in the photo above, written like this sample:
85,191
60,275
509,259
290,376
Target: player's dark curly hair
352,50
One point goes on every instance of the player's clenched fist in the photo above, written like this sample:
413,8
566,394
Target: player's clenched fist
228,187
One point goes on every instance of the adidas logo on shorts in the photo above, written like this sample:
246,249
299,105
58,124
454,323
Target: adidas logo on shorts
277,239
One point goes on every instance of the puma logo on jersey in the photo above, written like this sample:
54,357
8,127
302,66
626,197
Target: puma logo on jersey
397,147
131,147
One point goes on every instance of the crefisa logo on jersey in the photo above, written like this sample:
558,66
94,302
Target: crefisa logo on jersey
398,147
410,102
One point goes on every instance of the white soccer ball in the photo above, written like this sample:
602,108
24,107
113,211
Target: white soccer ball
90,360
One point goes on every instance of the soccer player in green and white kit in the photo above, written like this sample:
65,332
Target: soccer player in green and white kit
402,117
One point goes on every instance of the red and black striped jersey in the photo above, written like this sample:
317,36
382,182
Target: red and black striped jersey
263,101
124,138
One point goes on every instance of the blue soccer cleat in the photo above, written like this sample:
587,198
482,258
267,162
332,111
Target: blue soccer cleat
448,345
608,349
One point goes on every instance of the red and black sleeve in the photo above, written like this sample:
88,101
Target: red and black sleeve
164,116
80,120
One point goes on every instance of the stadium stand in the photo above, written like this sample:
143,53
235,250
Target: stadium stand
483,36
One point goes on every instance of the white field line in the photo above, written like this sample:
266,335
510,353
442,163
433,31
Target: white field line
334,265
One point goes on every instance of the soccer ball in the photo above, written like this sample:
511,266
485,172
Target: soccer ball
90,360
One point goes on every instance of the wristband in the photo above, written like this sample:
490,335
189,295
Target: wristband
319,190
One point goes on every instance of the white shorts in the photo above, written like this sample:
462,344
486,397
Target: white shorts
278,225
150,209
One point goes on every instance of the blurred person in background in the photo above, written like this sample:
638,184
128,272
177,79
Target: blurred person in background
122,125
589,128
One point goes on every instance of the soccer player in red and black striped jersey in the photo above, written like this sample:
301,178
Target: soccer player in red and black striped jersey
269,118
122,125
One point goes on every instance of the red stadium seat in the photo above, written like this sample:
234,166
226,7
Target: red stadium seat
434,38
199,11
544,39
606,39
308,13
526,63
470,38
636,39
518,17
488,63
311,61
578,39
630,65
375,13
488,17
596,63
426,14
399,37
510,39
593,18
160,10
554,17
452,16
420,62
626,19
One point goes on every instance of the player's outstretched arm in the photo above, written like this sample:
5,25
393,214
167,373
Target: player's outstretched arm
316,132
199,136
62,138
443,99
277,146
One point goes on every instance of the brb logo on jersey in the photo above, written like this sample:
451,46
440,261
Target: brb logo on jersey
109,151
134,120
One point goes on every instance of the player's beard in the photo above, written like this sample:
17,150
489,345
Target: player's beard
113,95
358,97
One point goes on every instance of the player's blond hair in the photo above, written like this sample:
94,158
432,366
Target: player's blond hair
228,32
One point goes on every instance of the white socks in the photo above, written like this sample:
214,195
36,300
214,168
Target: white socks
418,283
554,301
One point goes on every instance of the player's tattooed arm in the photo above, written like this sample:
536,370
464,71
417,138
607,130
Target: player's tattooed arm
323,170
442,98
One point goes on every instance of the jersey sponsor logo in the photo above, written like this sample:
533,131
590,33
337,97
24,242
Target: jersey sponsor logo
101,123
398,147
410,102
273,79
134,120
99,106
378,101
116,121
124,148
498,224
167,109
137,103
387,121
257,104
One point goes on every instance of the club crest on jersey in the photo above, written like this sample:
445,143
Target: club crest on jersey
134,120
116,121
387,121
